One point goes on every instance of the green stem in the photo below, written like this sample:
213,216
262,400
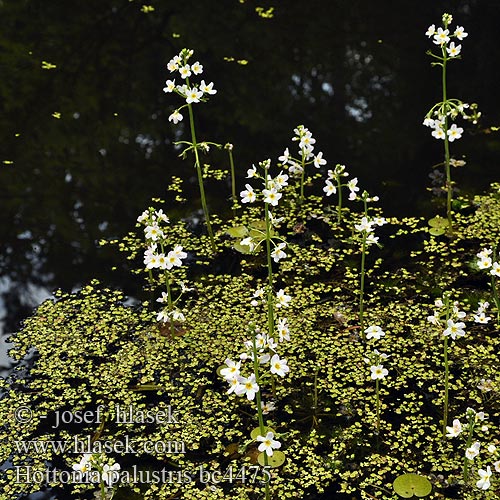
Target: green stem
465,472
446,371
362,287
258,399
233,178
170,303
200,177
449,186
302,177
377,391
339,207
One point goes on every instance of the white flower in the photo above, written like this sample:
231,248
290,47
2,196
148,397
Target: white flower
281,180
163,299
247,386
497,466
284,157
431,30
84,465
455,430
492,448
379,221
178,250
161,216
295,168
197,68
378,372
271,196
484,483
460,33
110,474
193,95
452,50
175,117
185,71
454,132
438,133
234,385
143,217
267,406
481,317
248,196
371,239
153,232
207,88
318,160
252,172
374,332
434,318
429,122
278,252
268,444
495,269
438,303
173,64
365,225
248,242
283,330
485,252
172,260
484,262
473,451
329,188
282,300
169,86
178,316
279,366
352,185
454,330
441,37
232,370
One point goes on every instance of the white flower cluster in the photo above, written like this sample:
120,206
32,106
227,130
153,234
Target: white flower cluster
271,195
191,93
454,327
106,470
485,261
480,313
306,146
375,358
367,227
474,418
336,175
155,257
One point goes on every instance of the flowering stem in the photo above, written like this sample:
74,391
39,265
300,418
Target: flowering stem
362,286
229,148
446,370
339,207
200,178
170,304
259,401
302,177
472,421
449,186
377,391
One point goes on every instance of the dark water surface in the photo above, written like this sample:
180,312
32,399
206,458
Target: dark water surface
85,145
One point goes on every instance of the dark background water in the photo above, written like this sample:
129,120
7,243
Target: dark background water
355,72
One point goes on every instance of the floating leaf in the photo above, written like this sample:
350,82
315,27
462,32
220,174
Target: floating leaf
275,460
242,248
436,231
439,222
237,231
409,485
256,432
